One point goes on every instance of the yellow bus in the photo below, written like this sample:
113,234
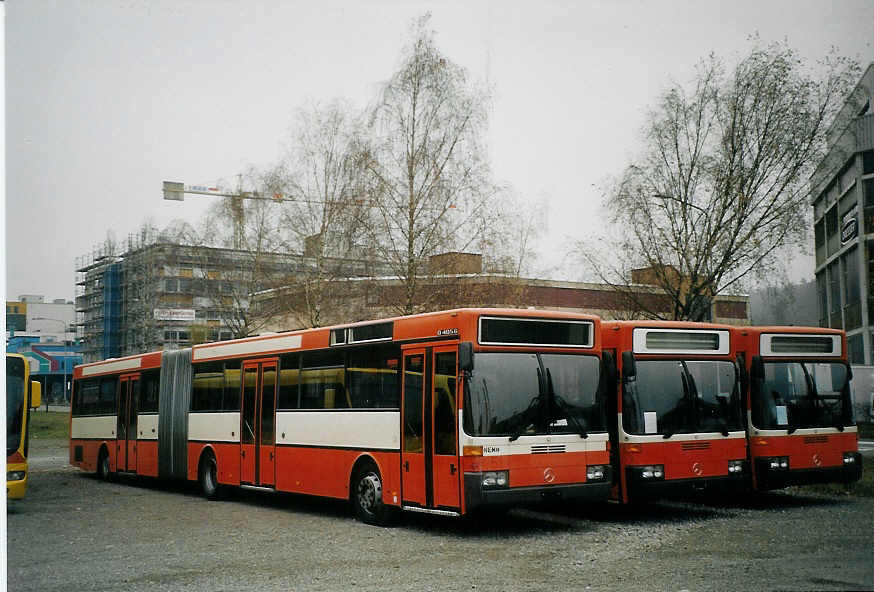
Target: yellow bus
21,394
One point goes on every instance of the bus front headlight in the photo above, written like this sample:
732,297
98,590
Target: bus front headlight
496,479
15,475
736,466
596,472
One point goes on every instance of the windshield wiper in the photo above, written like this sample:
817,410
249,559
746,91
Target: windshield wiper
526,417
564,406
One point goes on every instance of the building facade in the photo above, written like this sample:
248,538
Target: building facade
842,194
45,333
153,294
380,297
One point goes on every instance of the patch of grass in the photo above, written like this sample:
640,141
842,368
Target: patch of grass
49,425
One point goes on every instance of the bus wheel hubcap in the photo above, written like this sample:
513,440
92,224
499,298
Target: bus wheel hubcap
369,492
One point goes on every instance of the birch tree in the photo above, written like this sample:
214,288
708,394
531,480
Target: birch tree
325,211
425,167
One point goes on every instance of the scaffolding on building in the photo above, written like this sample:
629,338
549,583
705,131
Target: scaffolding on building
156,291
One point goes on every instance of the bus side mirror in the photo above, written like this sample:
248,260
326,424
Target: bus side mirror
757,368
628,367
465,356
35,394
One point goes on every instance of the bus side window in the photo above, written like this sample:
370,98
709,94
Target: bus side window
373,378
151,381
289,374
231,397
107,404
322,372
207,387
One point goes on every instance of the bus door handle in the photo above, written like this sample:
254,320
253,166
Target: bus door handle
243,453
407,466
451,468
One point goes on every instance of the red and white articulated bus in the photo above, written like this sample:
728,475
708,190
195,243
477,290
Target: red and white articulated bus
441,413
675,410
799,408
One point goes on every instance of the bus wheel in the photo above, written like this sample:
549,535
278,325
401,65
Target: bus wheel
367,497
103,472
207,475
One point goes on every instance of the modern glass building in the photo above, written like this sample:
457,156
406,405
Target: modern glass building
842,194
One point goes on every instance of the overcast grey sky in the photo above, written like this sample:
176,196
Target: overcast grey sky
105,99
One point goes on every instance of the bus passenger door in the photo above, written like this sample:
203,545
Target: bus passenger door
257,419
413,438
133,407
126,423
445,421
267,425
248,421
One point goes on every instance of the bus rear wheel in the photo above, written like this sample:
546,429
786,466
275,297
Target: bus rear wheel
207,475
367,497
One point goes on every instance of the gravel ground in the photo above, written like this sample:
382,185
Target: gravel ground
73,532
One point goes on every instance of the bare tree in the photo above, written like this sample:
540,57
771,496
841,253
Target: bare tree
241,252
723,180
324,212
425,167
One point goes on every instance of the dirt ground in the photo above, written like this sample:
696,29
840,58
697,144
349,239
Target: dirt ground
73,532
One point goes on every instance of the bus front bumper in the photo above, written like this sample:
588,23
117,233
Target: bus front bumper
478,497
768,478
640,489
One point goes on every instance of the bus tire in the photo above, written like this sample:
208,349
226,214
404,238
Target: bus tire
366,497
103,470
207,476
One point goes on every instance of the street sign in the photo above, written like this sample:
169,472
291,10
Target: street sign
174,191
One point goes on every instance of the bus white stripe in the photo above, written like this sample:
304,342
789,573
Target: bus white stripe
354,429
93,427
242,348
116,366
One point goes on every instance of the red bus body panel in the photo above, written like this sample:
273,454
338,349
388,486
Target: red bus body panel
326,470
815,455
692,462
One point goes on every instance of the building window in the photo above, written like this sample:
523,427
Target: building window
847,177
834,281
819,239
869,293
176,336
832,231
822,295
868,162
853,306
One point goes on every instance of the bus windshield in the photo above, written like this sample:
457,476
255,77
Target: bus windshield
14,403
516,394
680,397
794,395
